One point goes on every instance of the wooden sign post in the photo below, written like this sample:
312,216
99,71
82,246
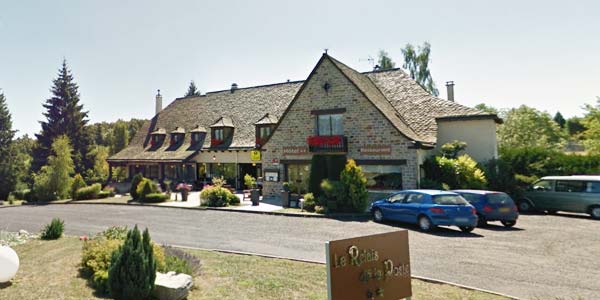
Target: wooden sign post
374,267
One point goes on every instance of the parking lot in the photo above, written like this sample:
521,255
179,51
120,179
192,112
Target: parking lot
543,257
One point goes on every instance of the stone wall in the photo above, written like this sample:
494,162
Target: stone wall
363,124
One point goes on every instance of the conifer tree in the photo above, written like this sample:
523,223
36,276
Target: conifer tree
64,116
192,90
8,178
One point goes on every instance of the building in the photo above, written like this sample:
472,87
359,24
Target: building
382,119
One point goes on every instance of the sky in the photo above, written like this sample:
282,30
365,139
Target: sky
545,54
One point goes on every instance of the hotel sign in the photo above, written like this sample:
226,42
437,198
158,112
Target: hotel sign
255,155
295,150
374,267
376,150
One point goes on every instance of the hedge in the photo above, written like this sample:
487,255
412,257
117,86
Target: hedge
156,198
88,192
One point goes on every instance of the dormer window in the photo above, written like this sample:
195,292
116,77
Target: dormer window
198,134
157,137
177,135
264,129
221,132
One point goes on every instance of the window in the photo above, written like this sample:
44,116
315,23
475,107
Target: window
218,134
543,186
571,186
593,187
176,138
264,132
383,176
472,198
330,125
397,198
195,137
499,198
415,198
155,138
298,177
449,200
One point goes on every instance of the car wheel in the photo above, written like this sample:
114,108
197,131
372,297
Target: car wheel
595,212
425,224
508,223
466,228
524,206
481,221
377,215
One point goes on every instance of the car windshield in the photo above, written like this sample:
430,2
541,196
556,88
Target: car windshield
499,198
472,198
449,200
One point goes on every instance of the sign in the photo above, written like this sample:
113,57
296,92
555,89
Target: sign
295,150
255,155
376,150
272,176
374,267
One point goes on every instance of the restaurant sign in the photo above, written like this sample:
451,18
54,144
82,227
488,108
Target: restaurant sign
374,267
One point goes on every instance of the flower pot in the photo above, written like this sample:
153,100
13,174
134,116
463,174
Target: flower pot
255,196
285,198
184,195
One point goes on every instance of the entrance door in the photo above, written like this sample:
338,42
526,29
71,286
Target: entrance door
250,169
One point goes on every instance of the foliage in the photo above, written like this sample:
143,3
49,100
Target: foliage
417,64
146,187
64,116
78,183
54,181
24,194
485,108
333,191
559,119
132,269
41,190
575,126
21,157
156,197
88,192
54,230
452,149
384,61
8,171
192,90
135,181
462,172
120,137
218,196
99,171
249,181
219,181
114,233
355,186
591,121
320,209
528,127
335,166
309,202
181,261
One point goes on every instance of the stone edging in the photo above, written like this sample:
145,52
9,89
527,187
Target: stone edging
423,278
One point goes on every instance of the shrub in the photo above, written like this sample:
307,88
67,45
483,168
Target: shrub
219,181
78,183
42,190
309,202
355,186
320,209
110,190
114,233
145,187
249,181
156,198
54,230
135,181
89,192
459,173
181,261
132,270
103,194
24,194
333,191
335,166
217,196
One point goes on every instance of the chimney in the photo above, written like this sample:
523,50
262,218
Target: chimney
450,90
233,87
158,102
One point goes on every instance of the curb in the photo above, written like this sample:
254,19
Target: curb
423,278
273,213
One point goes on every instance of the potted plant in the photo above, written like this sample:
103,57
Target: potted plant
184,189
254,191
285,195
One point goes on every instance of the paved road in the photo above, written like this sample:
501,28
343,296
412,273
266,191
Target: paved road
544,257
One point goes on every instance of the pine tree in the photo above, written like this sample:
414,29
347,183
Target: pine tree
559,119
64,116
8,176
192,90
385,62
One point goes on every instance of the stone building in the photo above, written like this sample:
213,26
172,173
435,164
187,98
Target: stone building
382,119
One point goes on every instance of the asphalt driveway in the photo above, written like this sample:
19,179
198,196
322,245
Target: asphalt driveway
543,257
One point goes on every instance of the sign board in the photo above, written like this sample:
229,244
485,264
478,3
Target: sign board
255,155
271,176
374,267
376,150
295,150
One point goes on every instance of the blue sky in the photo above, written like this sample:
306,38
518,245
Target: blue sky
545,54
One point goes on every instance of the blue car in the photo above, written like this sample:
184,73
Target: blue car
492,206
427,209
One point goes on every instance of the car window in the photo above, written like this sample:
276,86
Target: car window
593,187
414,198
449,200
472,198
571,186
397,197
543,186
499,198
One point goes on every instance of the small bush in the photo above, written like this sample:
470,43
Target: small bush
216,196
54,230
309,202
24,194
133,267
135,181
320,209
355,187
156,198
145,187
89,192
103,194
181,261
114,233
110,190
249,181
78,183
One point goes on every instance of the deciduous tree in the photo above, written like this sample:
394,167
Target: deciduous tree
528,127
385,62
416,62
591,121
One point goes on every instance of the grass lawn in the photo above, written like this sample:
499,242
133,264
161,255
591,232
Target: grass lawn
15,203
49,270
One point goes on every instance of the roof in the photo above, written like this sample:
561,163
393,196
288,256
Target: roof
408,107
178,130
431,192
478,192
198,129
573,177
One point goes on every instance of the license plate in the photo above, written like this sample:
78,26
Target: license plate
461,220
504,209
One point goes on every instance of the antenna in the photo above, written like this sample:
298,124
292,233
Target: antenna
370,60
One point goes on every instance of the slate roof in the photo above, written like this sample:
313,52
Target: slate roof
411,109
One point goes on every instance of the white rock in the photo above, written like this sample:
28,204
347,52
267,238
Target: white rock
9,263
172,286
